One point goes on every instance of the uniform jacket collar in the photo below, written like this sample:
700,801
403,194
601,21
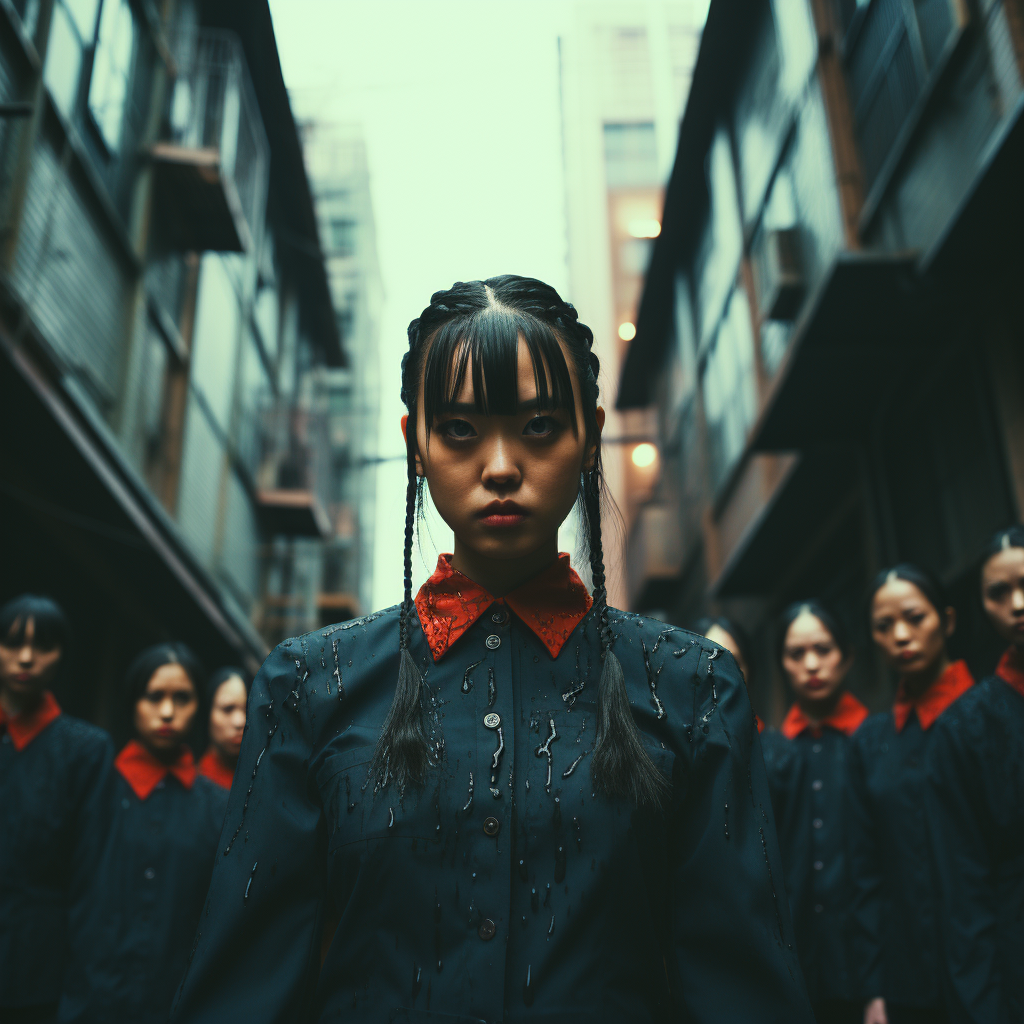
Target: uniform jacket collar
23,729
1011,669
845,718
142,771
950,685
212,767
552,604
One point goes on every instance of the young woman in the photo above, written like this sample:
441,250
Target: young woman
54,786
975,802
896,910
156,867
806,763
559,812
226,693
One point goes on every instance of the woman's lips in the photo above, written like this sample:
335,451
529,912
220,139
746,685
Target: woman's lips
502,513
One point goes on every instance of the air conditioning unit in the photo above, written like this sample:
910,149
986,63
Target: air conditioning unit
780,279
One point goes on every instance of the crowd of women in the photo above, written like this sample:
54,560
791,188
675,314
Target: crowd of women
902,833
105,860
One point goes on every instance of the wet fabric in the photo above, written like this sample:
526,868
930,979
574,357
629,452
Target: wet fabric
54,795
552,604
503,889
213,768
806,767
147,897
896,911
975,803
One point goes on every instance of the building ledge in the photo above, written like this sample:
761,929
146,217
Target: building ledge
292,513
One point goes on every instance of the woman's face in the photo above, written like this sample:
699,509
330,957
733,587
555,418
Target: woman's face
719,636
908,627
812,659
26,667
504,484
164,713
1002,593
227,716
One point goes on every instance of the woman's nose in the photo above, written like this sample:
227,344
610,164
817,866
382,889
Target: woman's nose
500,467
26,655
901,632
1018,599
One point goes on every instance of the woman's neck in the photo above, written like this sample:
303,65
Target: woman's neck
500,576
165,757
818,710
229,761
16,704
914,685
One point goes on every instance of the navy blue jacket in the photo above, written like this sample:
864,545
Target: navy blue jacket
145,903
807,781
467,901
975,801
54,800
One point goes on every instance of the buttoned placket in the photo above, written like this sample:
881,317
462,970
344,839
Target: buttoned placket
818,803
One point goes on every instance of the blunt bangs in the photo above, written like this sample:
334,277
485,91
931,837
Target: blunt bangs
485,343
50,627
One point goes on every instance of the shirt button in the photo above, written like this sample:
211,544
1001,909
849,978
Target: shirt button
500,617
818,865
492,643
125,803
817,823
491,826
486,930
492,720
818,908
816,784
816,748
149,874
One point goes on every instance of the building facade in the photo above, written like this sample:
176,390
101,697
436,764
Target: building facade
830,335
165,310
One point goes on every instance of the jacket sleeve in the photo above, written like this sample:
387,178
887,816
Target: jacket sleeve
866,871
256,953
735,953
956,820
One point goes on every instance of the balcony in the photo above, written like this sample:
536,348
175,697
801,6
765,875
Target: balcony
211,175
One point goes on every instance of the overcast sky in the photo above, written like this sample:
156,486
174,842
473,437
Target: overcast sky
459,103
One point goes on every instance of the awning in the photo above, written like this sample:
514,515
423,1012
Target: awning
866,324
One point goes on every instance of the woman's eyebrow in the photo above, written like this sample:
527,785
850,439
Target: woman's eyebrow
533,403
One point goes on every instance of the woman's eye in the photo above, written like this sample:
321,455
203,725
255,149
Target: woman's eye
540,426
916,619
457,429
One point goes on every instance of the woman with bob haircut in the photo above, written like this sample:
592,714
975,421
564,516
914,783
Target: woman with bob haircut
54,796
226,694
806,762
559,812
975,802
149,890
896,909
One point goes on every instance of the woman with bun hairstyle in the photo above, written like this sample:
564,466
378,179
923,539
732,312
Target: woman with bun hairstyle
975,802
55,778
149,890
806,761
896,908
226,694
559,812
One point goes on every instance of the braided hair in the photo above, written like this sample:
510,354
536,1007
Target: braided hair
476,327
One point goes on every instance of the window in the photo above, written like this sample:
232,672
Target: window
111,70
630,155
72,29
342,236
730,396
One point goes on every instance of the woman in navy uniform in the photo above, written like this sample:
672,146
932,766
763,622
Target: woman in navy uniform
976,811
54,792
227,693
896,909
806,763
560,812
156,867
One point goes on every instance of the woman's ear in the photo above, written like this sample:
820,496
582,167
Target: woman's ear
405,426
592,449
405,437
950,617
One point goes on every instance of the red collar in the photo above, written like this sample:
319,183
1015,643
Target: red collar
552,604
1011,669
950,685
845,718
23,729
759,724
142,771
212,767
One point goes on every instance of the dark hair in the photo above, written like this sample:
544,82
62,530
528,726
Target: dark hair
925,581
829,619
475,327
141,670
221,676
50,626
736,631
1011,537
